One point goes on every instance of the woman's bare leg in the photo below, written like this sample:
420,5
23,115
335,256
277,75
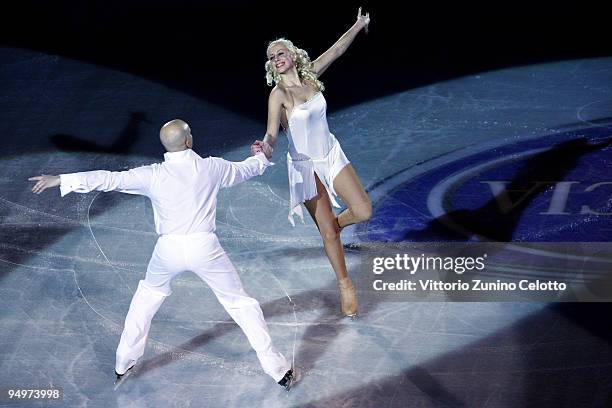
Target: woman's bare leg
320,210
349,188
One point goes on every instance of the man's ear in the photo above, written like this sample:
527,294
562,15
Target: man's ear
189,142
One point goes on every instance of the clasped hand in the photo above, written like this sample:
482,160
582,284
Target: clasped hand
262,147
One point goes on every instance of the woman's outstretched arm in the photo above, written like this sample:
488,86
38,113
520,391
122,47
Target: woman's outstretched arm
336,50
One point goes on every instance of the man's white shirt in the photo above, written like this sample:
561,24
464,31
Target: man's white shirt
183,189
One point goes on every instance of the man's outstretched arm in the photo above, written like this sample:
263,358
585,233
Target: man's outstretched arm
232,173
134,181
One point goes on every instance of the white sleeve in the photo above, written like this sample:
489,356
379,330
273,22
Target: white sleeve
232,173
134,181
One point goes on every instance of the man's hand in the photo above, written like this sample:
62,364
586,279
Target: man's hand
262,147
256,147
44,182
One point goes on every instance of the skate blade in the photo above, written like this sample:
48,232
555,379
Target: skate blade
120,380
294,380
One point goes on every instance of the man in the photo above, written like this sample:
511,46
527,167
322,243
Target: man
183,191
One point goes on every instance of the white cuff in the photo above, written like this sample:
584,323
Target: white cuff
262,157
68,183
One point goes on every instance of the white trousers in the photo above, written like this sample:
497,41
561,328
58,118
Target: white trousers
202,254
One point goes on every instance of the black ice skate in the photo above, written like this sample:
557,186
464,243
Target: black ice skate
288,380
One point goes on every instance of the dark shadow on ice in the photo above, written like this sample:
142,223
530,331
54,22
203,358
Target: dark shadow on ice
535,362
121,145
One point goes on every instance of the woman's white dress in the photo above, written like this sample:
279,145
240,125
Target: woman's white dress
312,149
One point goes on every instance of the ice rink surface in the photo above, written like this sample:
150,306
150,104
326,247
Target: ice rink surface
70,266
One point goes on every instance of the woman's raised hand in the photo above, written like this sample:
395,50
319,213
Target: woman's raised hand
363,19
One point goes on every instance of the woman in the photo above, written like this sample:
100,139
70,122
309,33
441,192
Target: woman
318,168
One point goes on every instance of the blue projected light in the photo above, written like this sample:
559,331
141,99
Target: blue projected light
556,188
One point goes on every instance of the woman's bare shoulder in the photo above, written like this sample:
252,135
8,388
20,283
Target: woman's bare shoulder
278,94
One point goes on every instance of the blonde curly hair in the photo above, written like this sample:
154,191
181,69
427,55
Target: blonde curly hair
302,64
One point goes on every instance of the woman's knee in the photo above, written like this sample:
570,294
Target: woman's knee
329,233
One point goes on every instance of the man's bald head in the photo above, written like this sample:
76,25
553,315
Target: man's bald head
176,136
